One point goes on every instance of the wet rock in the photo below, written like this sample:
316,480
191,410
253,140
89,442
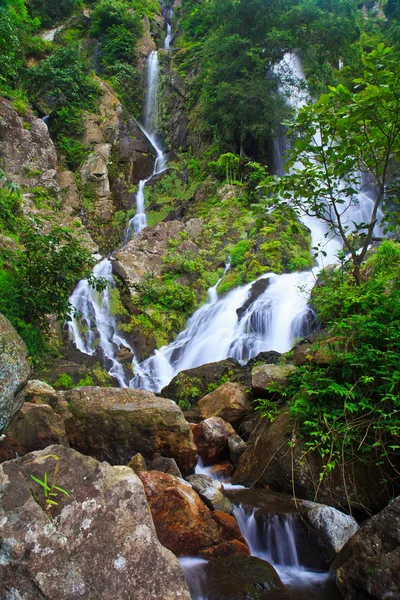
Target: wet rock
270,461
256,290
14,370
37,426
248,425
100,543
138,463
165,465
211,492
208,376
264,375
331,527
211,438
183,522
243,578
264,358
231,402
223,470
236,448
114,423
367,567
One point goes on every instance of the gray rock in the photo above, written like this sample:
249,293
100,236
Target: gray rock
236,448
264,375
211,492
165,465
368,566
100,544
331,527
39,392
36,426
14,370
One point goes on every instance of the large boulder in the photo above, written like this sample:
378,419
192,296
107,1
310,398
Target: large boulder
183,522
113,424
37,426
265,375
99,543
367,568
207,378
14,370
39,392
211,492
211,438
230,401
275,457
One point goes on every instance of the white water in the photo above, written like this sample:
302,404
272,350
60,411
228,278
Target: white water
168,37
151,103
96,327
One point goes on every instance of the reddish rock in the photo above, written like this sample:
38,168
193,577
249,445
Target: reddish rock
230,402
9,448
229,526
183,522
223,470
211,438
37,426
232,548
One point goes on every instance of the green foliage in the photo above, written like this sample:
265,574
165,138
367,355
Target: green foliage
52,12
64,382
49,488
238,252
187,390
10,202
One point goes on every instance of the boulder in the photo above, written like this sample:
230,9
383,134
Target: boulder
164,465
99,543
367,567
264,375
236,448
37,426
274,457
183,522
211,492
222,470
39,392
230,402
256,290
10,448
242,578
137,463
248,425
14,370
207,378
114,423
211,438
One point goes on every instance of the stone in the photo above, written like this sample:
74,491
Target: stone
211,438
69,192
100,543
223,470
211,492
183,522
211,375
37,426
331,527
264,375
39,392
367,567
230,402
236,448
269,460
29,146
248,425
14,370
256,290
114,423
9,448
164,465
243,578
138,463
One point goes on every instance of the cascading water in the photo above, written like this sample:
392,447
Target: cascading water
96,327
93,309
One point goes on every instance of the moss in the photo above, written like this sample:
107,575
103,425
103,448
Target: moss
116,306
187,390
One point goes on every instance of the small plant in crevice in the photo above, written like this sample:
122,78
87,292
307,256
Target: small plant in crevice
50,490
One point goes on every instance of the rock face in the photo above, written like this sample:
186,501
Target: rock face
331,527
269,460
37,426
113,424
367,568
210,375
14,370
183,522
145,253
264,375
231,402
39,392
101,542
24,148
211,438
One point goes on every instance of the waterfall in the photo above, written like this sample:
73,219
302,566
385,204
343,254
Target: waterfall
93,325
168,37
150,115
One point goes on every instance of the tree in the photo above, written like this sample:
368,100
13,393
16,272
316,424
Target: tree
347,137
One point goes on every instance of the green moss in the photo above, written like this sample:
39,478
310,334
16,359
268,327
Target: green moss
187,390
64,382
116,306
